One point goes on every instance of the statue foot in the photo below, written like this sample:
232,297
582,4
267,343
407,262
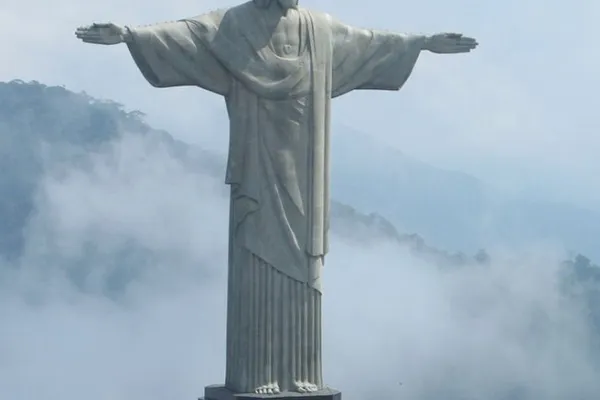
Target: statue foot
271,388
305,387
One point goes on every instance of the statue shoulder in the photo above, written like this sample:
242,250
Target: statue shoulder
321,18
215,15
236,15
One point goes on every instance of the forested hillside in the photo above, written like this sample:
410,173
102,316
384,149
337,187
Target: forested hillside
48,124
92,195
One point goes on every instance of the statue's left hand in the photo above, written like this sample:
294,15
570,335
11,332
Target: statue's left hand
107,34
449,43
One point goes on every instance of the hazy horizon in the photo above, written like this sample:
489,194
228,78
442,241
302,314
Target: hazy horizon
120,294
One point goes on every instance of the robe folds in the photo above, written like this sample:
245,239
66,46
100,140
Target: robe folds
278,163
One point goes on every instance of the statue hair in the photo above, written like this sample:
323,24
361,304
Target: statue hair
262,3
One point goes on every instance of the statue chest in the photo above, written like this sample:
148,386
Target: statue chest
287,36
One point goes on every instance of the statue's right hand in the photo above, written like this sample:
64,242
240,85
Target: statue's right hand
107,33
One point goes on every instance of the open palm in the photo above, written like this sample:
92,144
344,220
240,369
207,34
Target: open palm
107,34
448,43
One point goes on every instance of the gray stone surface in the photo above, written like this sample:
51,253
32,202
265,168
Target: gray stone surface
220,392
278,66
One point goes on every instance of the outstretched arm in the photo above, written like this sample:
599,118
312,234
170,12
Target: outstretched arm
371,59
382,60
106,34
449,43
168,54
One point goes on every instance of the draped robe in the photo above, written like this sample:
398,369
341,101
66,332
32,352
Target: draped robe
278,164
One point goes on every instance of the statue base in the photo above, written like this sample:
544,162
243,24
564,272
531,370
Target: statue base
220,392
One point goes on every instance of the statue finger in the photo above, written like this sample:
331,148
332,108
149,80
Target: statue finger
90,35
461,49
466,46
465,43
467,40
84,30
89,31
94,40
454,49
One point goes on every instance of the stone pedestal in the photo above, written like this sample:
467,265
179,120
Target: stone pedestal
220,392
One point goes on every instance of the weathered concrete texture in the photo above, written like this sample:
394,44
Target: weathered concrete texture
273,331
220,392
278,66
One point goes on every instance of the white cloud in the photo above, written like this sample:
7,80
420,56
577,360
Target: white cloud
389,318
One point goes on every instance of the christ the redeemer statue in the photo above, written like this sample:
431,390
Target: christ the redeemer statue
277,66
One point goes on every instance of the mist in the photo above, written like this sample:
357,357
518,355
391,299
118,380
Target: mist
120,294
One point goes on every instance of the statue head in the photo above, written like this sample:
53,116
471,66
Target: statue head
284,4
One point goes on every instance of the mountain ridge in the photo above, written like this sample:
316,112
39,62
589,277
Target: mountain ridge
450,208
76,119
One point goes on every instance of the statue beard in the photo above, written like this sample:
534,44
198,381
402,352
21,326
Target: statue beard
284,4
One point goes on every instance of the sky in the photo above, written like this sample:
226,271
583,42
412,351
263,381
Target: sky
518,112
150,324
